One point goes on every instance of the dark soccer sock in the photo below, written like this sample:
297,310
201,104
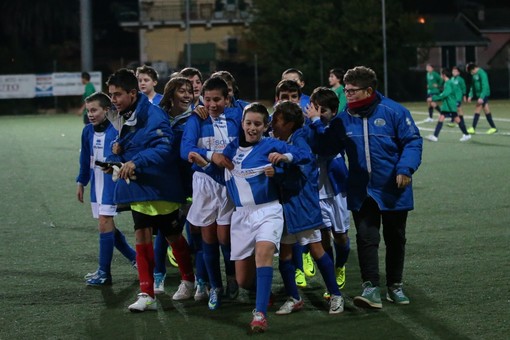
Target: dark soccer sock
288,273
264,280
160,251
212,263
489,119
297,256
328,274
431,111
330,253
475,120
145,262
106,246
342,253
462,127
462,120
439,126
124,247
182,253
201,270
230,269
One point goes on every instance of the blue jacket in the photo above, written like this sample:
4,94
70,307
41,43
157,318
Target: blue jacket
379,146
148,144
299,194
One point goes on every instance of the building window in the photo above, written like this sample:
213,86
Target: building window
448,56
232,45
470,54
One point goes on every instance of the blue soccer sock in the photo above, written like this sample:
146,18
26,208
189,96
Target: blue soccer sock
342,253
106,246
200,268
287,271
212,263
124,247
160,251
297,256
264,280
328,274
329,251
230,269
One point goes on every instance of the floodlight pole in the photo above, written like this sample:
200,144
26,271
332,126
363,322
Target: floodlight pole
385,62
188,35
86,35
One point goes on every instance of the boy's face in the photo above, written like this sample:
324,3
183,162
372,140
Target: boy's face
326,113
215,102
197,85
290,96
145,83
295,77
121,98
95,112
429,68
455,72
253,126
182,99
333,80
281,129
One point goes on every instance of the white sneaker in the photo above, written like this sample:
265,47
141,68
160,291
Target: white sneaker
90,275
429,120
432,138
291,305
185,291
202,293
144,302
159,283
336,304
465,138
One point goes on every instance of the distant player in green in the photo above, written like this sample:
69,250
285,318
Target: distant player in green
460,93
480,90
89,90
336,76
434,84
448,107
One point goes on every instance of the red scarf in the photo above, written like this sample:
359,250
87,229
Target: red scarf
361,103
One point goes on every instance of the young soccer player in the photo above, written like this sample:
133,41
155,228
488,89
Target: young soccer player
448,107
460,93
333,175
336,76
233,89
195,76
149,179
299,196
297,76
211,208
257,222
147,81
88,90
95,146
480,90
434,84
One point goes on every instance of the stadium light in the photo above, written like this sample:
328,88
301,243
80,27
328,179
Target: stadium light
385,63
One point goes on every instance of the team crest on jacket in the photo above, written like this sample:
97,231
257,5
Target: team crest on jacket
379,122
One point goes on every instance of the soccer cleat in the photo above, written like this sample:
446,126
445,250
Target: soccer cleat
432,138
491,131
144,302
300,278
291,305
465,138
471,131
340,277
171,257
232,288
336,304
90,275
370,298
429,120
100,279
215,298
396,294
451,125
185,291
202,292
308,265
159,283
259,322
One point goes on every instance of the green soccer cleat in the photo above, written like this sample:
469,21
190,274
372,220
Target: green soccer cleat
451,125
171,257
340,277
471,131
491,131
308,265
396,295
370,298
300,278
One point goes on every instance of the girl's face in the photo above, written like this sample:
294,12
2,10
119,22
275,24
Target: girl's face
281,129
95,112
253,126
146,84
215,102
183,96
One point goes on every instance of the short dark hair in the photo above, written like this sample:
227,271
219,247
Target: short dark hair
85,75
257,108
216,83
290,112
189,72
325,97
361,76
446,72
123,78
339,73
471,66
101,97
229,78
296,71
150,71
287,86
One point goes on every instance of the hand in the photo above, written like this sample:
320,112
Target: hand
429,100
275,158
403,181
116,149
194,157
201,111
222,161
311,111
269,171
469,100
480,101
79,192
127,171
464,99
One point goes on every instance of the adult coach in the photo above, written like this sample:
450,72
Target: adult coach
480,90
384,149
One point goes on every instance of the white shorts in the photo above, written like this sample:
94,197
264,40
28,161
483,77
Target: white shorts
103,209
303,237
210,202
263,222
335,214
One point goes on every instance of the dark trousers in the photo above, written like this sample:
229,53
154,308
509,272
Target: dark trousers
368,223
